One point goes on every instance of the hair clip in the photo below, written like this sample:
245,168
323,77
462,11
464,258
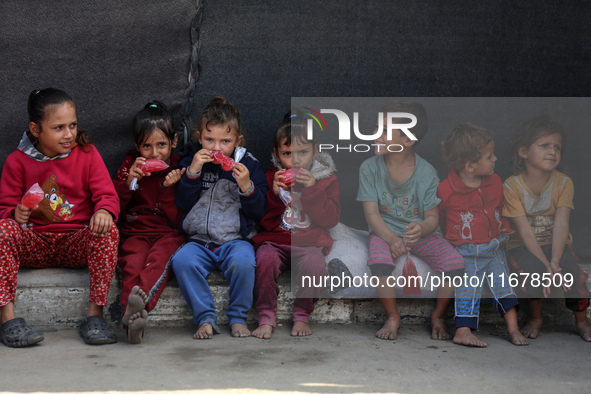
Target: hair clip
293,116
153,106
37,92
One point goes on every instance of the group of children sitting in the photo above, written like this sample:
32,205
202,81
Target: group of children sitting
215,209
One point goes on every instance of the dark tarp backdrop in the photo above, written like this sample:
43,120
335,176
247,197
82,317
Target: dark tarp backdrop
113,57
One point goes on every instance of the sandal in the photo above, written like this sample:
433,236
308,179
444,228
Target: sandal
95,331
17,333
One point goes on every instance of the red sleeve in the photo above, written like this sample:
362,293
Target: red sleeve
275,206
12,186
321,202
101,186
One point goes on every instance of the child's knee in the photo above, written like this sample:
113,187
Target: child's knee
267,257
8,228
241,265
180,261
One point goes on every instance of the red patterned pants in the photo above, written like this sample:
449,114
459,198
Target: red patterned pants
31,249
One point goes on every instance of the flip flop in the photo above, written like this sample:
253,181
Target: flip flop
17,333
95,331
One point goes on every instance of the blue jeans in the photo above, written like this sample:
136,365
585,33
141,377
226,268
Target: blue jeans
194,262
483,261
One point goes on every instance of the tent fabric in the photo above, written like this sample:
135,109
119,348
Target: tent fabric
112,57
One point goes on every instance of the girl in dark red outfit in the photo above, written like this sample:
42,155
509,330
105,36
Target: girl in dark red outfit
149,235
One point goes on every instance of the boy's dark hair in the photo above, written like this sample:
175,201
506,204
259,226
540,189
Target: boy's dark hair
292,126
412,107
37,107
154,115
527,134
220,111
465,143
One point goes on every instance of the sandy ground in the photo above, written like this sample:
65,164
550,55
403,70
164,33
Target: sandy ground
335,359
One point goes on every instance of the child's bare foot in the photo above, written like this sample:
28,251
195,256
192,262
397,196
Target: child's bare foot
135,327
465,337
263,331
300,329
136,302
532,328
240,330
438,329
584,329
516,338
205,331
390,329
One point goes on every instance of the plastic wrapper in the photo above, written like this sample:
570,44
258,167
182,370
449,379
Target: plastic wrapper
226,162
409,270
150,165
284,196
289,179
153,165
239,153
33,196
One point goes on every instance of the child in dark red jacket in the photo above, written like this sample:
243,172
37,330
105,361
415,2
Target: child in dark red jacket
150,233
296,225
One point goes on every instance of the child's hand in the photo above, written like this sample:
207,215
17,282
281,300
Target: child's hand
173,177
306,178
279,181
397,247
22,213
101,223
200,158
242,176
135,172
555,267
546,289
556,270
412,236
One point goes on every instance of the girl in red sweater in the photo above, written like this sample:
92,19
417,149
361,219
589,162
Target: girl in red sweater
72,226
150,233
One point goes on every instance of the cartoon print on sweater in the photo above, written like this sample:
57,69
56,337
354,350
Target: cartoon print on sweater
54,207
465,230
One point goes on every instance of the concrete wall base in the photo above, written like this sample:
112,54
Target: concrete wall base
58,298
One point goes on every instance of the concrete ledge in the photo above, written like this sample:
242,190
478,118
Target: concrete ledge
58,298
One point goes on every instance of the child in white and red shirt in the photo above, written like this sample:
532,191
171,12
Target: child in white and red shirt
470,217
